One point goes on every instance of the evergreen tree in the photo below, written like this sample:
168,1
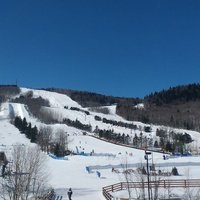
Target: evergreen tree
162,143
18,122
135,140
34,134
28,131
168,146
24,125
156,144
175,171
57,150
144,170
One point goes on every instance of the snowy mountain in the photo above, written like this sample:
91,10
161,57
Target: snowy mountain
99,154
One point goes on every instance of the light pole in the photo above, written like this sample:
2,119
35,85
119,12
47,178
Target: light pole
147,153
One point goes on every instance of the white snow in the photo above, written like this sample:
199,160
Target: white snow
72,172
55,99
139,106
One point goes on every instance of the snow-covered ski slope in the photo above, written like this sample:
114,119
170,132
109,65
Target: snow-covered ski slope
72,172
59,101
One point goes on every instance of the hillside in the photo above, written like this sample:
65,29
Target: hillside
51,108
105,139
91,99
176,107
175,95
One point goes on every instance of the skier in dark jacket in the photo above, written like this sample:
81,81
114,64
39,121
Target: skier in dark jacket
69,193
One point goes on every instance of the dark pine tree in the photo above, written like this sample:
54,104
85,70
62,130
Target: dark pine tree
34,134
18,122
24,125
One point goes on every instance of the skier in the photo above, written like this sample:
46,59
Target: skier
69,193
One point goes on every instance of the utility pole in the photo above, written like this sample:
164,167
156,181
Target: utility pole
147,153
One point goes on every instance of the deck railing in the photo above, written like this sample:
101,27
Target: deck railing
181,183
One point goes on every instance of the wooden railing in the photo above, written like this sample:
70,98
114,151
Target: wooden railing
162,183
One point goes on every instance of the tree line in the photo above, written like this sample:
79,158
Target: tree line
26,128
77,124
44,137
165,141
172,142
112,136
7,91
178,94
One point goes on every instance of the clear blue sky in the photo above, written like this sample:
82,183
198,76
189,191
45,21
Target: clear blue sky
114,47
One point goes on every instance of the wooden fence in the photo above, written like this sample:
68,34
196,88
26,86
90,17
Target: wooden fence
181,183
